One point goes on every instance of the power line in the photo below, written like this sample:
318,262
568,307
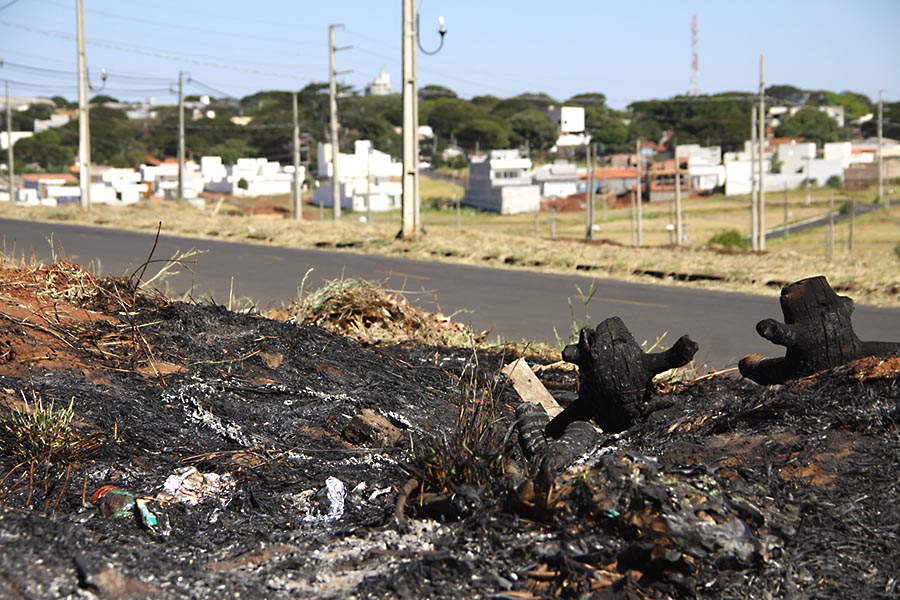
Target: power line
180,58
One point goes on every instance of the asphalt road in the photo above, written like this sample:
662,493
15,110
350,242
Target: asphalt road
512,304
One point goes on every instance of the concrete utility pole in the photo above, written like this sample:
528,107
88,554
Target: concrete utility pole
297,205
639,208
9,149
369,184
679,226
589,197
762,155
754,200
335,142
410,227
84,129
180,135
881,195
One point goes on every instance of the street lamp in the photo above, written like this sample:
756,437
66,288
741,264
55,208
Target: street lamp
441,30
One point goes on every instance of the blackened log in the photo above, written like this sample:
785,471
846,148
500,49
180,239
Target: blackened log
615,376
817,333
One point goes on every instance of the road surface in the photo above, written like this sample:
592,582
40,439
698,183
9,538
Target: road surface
512,304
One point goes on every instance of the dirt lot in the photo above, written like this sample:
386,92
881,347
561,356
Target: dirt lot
304,442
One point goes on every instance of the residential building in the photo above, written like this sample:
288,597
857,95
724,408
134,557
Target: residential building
780,113
570,125
55,189
705,171
381,86
163,179
15,136
57,119
368,178
788,164
557,180
501,182
248,177
613,180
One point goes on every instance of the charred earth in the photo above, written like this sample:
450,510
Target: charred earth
259,458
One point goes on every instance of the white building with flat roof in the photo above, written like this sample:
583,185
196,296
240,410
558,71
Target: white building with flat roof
367,178
501,182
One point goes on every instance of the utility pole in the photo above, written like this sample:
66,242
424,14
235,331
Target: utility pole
762,146
881,195
589,213
786,227
808,200
754,200
829,246
679,226
369,184
640,222
84,129
181,135
410,227
9,149
335,142
297,204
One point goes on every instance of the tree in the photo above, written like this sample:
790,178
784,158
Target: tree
101,99
534,128
52,150
430,92
486,132
812,125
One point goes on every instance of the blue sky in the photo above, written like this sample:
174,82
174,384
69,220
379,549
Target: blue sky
626,50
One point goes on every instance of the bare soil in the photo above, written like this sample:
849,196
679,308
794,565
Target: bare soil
733,490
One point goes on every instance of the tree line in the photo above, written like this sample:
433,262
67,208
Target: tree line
483,122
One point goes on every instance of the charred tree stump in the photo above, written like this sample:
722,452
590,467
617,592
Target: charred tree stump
615,376
816,331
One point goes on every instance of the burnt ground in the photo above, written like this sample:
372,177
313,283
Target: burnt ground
732,491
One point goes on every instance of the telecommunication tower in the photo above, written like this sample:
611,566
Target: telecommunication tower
695,56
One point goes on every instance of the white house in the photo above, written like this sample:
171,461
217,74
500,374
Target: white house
55,120
163,179
501,182
260,176
367,175
796,162
570,125
15,135
705,169
557,180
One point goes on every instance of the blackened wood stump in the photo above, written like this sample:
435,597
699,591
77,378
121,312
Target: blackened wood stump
615,376
817,333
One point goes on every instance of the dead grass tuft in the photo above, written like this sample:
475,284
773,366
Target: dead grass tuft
373,315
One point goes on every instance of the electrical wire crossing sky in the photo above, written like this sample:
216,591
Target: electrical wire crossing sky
627,51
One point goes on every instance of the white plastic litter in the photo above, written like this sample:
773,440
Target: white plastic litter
331,498
190,486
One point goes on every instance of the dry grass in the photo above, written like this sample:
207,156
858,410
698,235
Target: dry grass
871,274
371,314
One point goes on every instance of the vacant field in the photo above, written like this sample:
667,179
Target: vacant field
870,272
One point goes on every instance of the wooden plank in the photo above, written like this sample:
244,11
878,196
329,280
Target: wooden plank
529,387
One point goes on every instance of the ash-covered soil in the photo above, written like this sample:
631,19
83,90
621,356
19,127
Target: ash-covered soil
308,440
